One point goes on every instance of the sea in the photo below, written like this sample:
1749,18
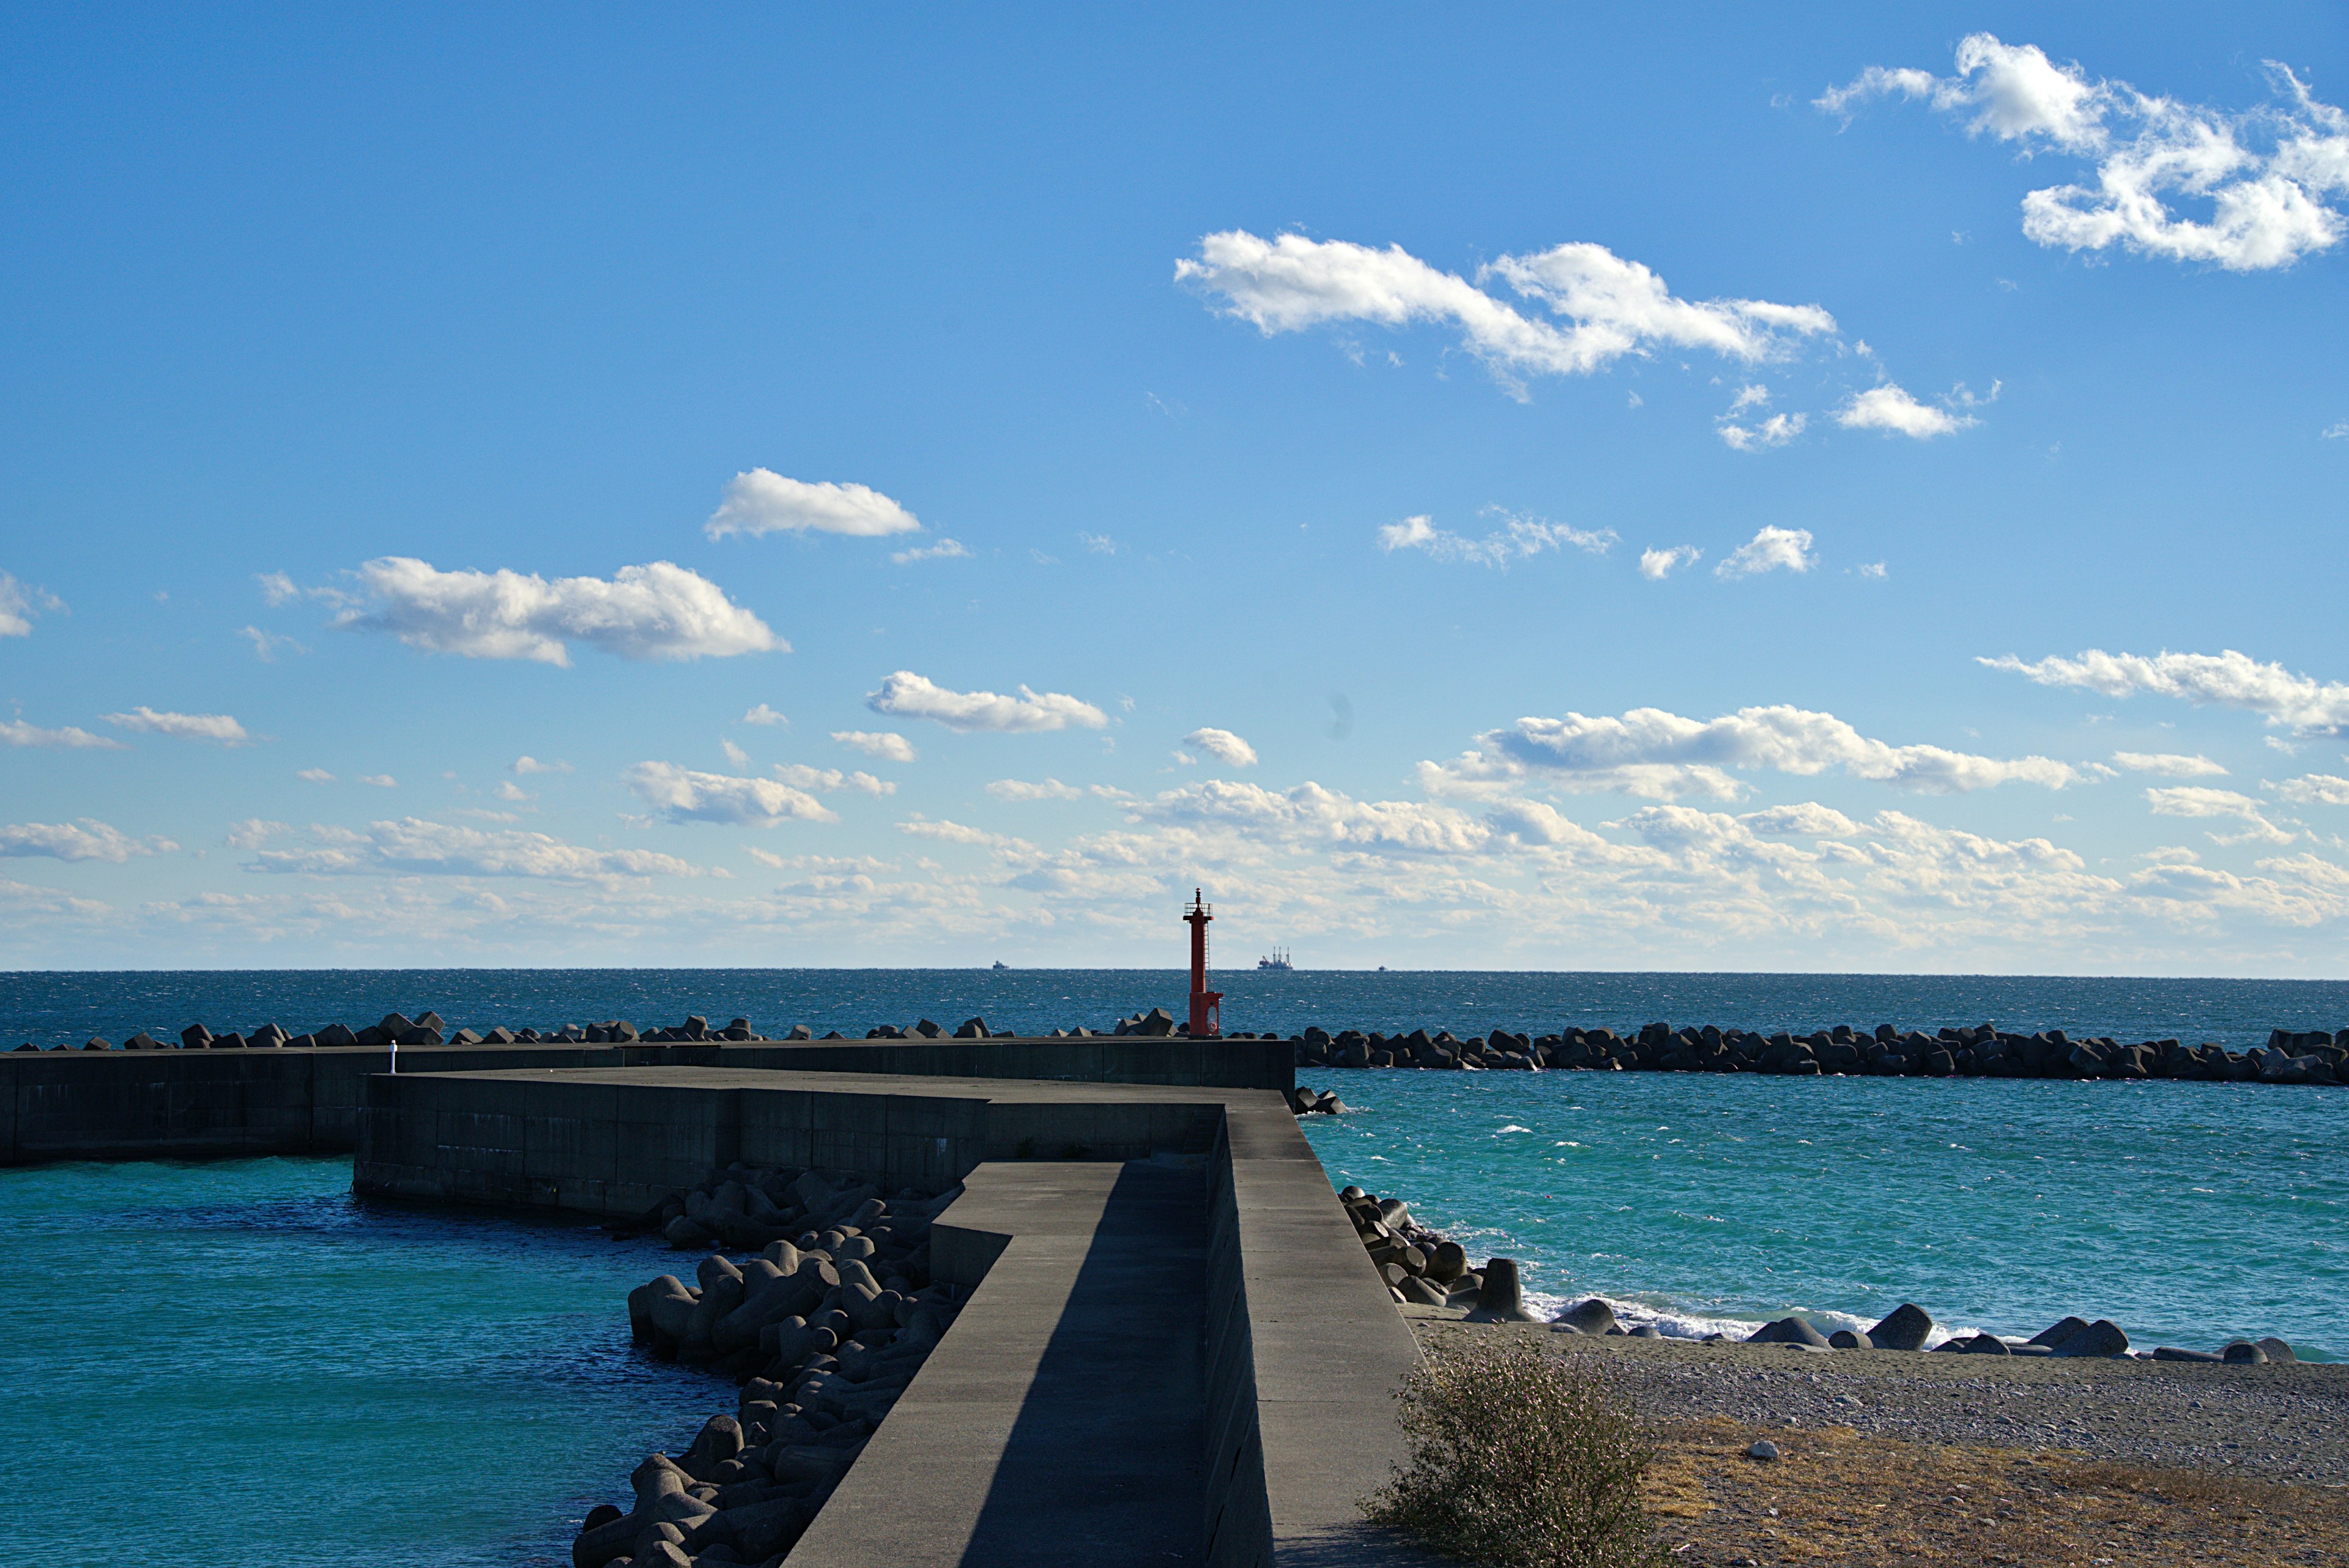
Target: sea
220,1361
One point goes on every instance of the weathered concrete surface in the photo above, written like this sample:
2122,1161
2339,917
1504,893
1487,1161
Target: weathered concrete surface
1194,1243
1060,1422
142,1105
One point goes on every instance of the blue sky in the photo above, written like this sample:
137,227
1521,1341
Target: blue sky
1537,490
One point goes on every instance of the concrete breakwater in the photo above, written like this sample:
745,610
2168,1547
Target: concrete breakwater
1979,1052
824,1333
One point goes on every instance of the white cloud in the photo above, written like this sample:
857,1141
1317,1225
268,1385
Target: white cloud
2265,175
510,791
944,550
413,846
1771,549
1099,543
313,775
2176,766
2198,801
89,839
765,502
762,714
254,832
1808,820
1649,751
886,745
683,795
380,781
1750,397
1610,306
905,694
656,611
1775,431
218,728
265,644
277,588
2337,432
958,833
1888,407
2228,679
1519,538
21,605
734,754
16,732
1308,814
524,767
799,775
2315,789
1224,746
1657,564
1021,790
1872,569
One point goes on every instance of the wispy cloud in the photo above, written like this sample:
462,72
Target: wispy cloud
886,744
2315,789
1518,539
907,695
660,611
2176,766
88,839
1657,564
412,846
1602,305
218,728
2199,801
2228,679
944,550
826,781
16,732
765,502
20,606
2268,175
523,766
762,714
1775,431
1772,549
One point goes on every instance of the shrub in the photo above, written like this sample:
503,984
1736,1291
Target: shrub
1519,1459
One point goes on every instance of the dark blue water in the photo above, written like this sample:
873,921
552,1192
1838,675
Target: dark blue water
237,1362
51,1008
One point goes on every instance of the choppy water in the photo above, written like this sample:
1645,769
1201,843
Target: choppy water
2188,1213
67,1007
237,1362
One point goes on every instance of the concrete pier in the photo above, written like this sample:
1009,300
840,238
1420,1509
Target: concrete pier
1177,1349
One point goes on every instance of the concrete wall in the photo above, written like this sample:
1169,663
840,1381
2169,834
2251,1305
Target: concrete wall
612,1142
143,1104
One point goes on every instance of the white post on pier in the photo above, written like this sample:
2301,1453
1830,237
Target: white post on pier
395,1058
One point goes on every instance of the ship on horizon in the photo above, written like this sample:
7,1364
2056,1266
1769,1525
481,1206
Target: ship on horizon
1276,959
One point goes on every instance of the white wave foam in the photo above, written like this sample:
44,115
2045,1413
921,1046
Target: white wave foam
1676,1322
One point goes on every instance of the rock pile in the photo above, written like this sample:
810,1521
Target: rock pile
1419,1265
1983,1051
825,1331
1910,1327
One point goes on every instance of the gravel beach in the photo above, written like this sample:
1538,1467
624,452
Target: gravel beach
2285,1422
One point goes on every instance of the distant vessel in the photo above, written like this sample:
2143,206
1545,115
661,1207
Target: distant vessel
1000,964
1276,959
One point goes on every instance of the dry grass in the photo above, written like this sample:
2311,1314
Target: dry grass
1835,1499
1519,1459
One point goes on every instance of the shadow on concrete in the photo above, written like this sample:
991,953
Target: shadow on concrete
1103,1460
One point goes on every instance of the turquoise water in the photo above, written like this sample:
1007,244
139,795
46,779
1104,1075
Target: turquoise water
2188,1213
237,1362
65,1008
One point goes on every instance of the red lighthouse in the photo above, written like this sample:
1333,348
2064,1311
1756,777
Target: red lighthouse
1205,1005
